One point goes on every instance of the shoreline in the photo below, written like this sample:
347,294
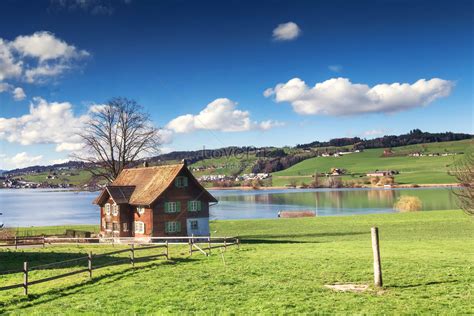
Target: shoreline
395,186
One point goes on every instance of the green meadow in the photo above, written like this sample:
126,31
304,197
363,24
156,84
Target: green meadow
281,267
413,170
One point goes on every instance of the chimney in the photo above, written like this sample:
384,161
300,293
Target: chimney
145,164
184,162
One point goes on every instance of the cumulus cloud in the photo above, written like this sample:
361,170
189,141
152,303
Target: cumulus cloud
219,115
286,31
19,94
36,58
339,96
19,160
46,123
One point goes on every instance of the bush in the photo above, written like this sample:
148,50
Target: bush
386,180
408,203
7,233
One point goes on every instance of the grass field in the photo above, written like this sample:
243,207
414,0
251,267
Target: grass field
282,267
413,170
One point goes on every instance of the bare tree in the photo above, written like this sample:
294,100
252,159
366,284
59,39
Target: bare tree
463,170
116,135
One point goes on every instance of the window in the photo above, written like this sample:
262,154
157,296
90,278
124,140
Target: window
181,182
172,227
108,226
194,224
125,227
139,227
115,210
103,222
116,227
194,206
172,207
107,209
140,210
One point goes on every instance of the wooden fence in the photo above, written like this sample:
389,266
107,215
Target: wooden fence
88,261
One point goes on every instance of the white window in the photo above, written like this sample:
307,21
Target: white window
125,227
140,210
139,227
172,227
194,206
172,207
194,224
115,210
107,209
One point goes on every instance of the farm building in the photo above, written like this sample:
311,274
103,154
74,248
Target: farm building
382,173
154,201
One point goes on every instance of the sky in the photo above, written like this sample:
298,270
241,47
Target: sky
221,73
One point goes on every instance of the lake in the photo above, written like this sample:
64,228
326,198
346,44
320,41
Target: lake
40,207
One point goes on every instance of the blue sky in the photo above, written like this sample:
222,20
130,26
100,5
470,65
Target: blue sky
200,68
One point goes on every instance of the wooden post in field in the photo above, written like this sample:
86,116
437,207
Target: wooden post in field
25,277
16,242
190,247
238,243
376,251
89,263
132,254
225,243
167,250
209,243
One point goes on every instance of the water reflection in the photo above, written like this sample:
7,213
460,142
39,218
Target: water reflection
52,207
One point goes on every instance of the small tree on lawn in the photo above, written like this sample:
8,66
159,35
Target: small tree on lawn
116,135
463,171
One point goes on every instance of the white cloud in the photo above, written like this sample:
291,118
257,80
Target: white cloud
374,132
339,96
20,160
45,46
36,58
58,161
286,32
269,124
46,123
335,68
219,115
166,136
19,94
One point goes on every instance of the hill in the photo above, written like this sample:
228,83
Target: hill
413,170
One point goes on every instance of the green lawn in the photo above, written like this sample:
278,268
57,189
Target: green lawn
282,267
413,170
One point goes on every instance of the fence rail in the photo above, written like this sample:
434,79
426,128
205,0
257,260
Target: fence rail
135,245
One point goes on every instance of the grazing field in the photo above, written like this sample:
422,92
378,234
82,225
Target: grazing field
282,267
413,170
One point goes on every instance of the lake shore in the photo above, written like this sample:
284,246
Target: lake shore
395,186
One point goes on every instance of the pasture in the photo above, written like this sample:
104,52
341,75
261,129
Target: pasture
282,267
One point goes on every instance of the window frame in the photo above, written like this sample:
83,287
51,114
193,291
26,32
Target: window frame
172,227
194,206
107,209
172,210
125,226
115,225
142,228
181,182
108,226
192,222
115,209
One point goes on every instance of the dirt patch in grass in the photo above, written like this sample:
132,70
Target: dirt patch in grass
348,287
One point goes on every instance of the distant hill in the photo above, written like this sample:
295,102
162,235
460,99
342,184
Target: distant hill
268,159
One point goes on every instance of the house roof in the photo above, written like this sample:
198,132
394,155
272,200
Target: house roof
142,186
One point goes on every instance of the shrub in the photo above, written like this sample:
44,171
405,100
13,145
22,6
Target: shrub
374,180
408,203
304,185
386,180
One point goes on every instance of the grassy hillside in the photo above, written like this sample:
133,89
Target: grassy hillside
282,267
413,170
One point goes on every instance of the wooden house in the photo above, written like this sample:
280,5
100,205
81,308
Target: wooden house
153,202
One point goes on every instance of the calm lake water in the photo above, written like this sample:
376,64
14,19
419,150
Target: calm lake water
40,207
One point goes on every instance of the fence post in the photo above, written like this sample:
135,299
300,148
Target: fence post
190,247
43,241
238,243
209,243
16,242
225,243
132,255
376,250
167,250
25,277
89,263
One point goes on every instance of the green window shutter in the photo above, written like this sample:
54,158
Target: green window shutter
176,182
189,205
178,227
199,205
185,181
178,206
167,227
167,207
